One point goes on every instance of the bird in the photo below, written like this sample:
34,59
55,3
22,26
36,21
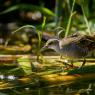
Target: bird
72,47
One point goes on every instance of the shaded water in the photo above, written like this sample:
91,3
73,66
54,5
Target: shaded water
73,89
80,88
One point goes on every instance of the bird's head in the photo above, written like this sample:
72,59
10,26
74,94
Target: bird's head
51,44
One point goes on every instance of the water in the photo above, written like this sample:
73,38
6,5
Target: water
73,89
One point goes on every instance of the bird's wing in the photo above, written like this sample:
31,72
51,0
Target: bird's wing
83,41
87,42
68,40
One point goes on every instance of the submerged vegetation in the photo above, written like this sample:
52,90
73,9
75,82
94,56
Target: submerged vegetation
25,27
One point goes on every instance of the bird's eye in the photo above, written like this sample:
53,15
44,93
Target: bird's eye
52,43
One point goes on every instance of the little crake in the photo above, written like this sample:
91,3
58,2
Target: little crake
72,47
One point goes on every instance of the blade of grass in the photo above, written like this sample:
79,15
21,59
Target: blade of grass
40,36
37,8
7,41
58,11
86,21
69,22
10,9
28,7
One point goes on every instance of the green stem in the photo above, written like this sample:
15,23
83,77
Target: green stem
58,11
86,21
69,22
40,33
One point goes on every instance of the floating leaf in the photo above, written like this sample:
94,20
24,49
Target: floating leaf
25,63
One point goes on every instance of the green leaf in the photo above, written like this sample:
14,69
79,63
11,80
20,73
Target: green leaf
29,7
25,63
44,23
43,10
13,8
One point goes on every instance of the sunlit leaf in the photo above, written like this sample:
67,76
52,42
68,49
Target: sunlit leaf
25,63
37,8
44,23
28,7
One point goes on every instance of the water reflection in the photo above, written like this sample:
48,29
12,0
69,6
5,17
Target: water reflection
72,89
8,77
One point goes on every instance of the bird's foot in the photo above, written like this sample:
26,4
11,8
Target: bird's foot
66,64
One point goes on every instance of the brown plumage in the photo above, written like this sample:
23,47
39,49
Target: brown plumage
72,47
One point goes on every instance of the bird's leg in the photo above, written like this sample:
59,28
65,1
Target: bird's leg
65,65
72,65
84,61
65,62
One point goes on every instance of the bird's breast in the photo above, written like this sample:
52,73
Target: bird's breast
73,51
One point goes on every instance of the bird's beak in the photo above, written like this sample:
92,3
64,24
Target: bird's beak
43,48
